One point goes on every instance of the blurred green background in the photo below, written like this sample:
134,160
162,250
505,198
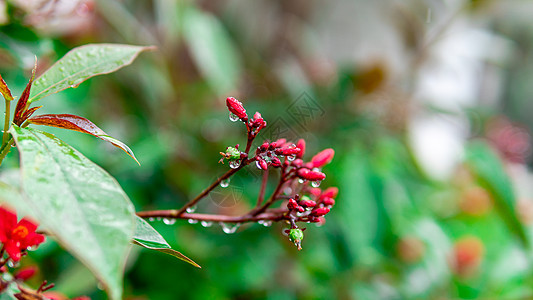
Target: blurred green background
427,104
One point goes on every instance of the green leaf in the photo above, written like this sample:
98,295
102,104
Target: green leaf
78,203
77,123
81,64
146,236
489,170
212,49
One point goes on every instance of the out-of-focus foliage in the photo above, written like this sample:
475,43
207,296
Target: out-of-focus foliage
426,104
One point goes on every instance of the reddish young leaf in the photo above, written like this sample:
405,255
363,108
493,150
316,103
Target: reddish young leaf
5,90
77,123
30,112
22,103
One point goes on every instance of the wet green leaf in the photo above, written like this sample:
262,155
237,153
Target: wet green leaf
80,204
81,64
77,123
146,236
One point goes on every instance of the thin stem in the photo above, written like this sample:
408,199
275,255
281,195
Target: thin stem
7,116
272,215
210,188
256,211
261,196
5,150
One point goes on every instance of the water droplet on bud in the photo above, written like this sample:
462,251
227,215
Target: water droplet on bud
224,183
233,117
206,223
192,221
316,183
169,221
291,157
300,180
229,228
191,209
234,164
258,165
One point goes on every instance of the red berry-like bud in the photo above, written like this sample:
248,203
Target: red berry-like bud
276,162
322,158
308,203
297,162
292,205
315,192
277,143
328,201
287,151
319,212
25,273
263,164
235,107
311,175
330,192
300,144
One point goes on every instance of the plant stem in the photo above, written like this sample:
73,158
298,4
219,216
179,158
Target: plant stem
272,215
5,150
210,188
261,196
7,116
256,211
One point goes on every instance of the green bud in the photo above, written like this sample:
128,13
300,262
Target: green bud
233,153
296,234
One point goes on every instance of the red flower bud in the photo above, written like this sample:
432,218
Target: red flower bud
319,212
292,205
235,107
287,151
276,162
301,209
330,192
308,203
263,164
328,201
277,143
311,175
315,192
301,145
25,273
322,158
297,162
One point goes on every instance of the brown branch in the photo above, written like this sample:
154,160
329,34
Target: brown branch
271,215
261,196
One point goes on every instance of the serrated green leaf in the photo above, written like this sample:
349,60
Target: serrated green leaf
81,64
146,236
80,204
489,170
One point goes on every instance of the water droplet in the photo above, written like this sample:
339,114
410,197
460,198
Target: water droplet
100,286
233,117
285,231
287,190
13,264
192,221
291,157
224,183
229,228
191,209
206,223
169,221
33,248
158,219
234,164
258,165
316,183
266,223
151,219
300,180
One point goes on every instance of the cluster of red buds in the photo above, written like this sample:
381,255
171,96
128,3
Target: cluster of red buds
297,189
